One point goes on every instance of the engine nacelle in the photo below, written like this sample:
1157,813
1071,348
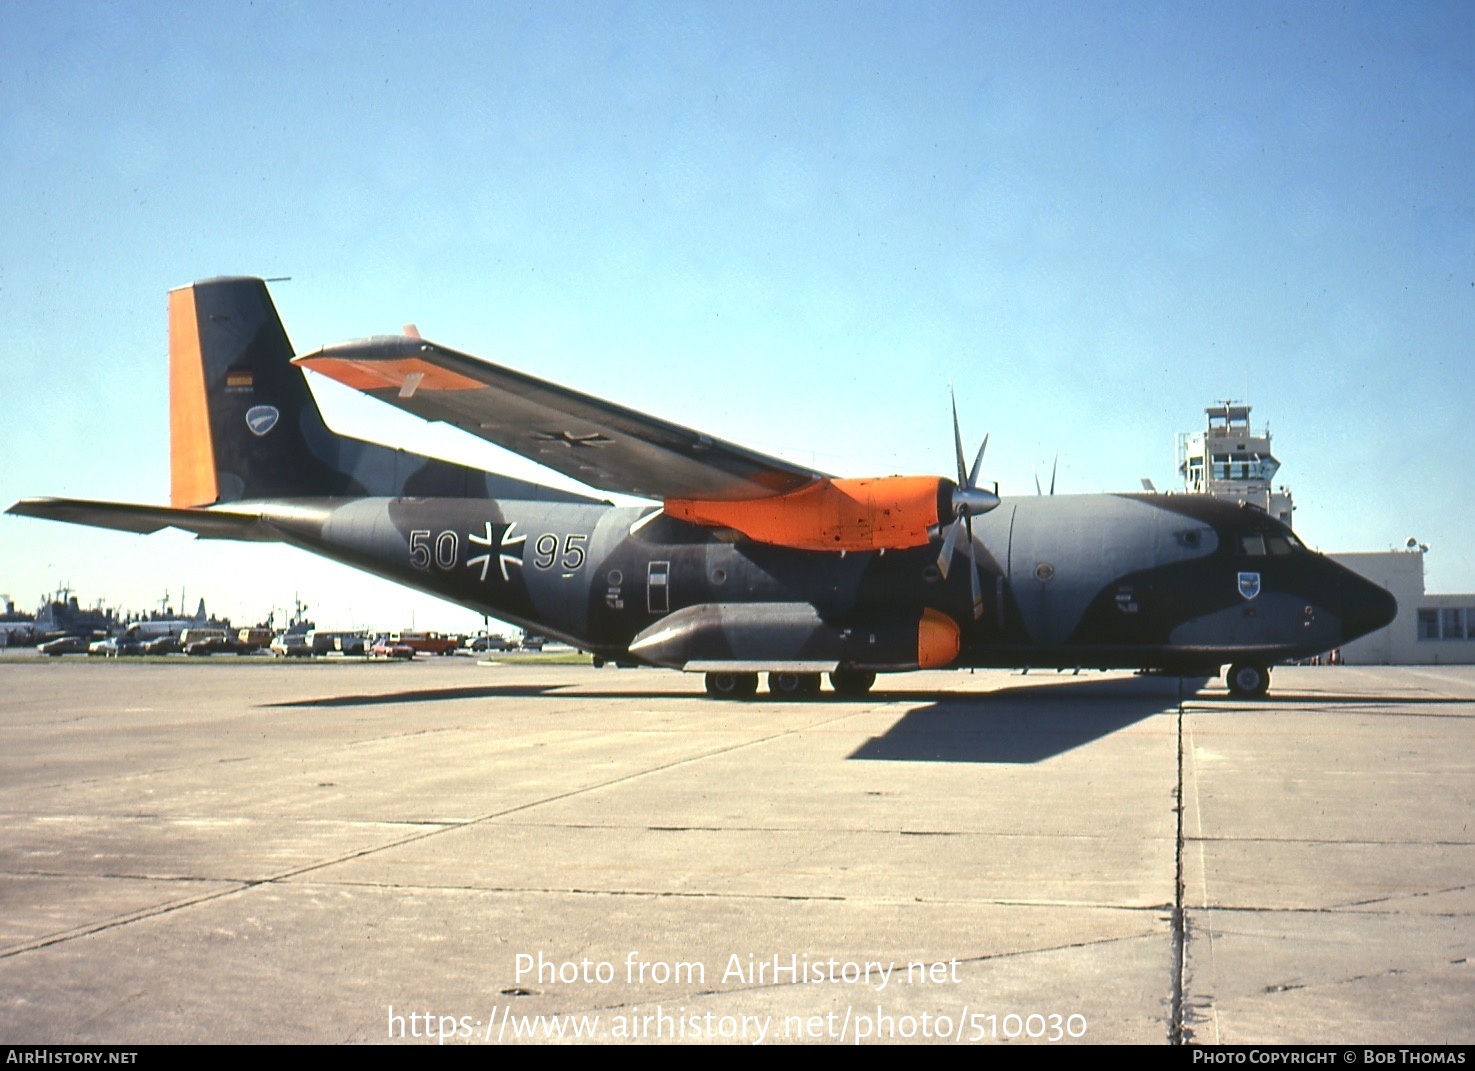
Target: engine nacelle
882,513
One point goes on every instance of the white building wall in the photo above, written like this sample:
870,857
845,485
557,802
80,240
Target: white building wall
1429,629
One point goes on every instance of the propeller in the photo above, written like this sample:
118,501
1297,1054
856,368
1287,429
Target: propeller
1053,468
968,501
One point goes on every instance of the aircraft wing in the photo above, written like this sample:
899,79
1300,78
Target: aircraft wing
591,440
128,517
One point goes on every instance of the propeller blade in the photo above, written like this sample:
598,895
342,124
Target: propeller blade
945,559
1053,467
958,443
977,464
1038,492
973,574
967,501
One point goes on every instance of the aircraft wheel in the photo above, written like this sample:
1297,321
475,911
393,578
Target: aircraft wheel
732,685
851,682
1248,680
793,685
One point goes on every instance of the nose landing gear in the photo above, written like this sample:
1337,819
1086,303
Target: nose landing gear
1248,680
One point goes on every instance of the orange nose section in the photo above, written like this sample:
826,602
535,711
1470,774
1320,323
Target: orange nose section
938,640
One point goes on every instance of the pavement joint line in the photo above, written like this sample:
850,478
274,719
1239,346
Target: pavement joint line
140,915
158,910
904,832
677,894
1413,896
1332,983
1209,931
1350,905
1327,843
1177,1033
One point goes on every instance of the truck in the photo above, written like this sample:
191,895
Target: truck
427,642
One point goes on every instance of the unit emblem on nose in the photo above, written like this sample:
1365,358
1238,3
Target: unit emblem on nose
1249,584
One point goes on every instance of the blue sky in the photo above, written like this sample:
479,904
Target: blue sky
790,225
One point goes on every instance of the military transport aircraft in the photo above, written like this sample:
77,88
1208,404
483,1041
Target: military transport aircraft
748,564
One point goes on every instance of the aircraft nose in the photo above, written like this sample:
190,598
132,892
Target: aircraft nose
1365,606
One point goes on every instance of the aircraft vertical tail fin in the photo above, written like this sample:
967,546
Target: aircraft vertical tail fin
241,416
244,424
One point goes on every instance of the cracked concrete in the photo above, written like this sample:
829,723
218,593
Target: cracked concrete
259,852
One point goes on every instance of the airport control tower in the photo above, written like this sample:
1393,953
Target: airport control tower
1228,460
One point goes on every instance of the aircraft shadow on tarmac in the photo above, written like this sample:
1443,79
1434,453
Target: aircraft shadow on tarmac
1016,724
1160,694
424,695
1025,723
1022,723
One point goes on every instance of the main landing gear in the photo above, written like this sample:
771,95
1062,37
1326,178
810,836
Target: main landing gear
732,685
1248,680
848,684
793,685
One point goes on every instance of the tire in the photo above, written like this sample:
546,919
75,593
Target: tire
732,685
851,683
793,685
1248,680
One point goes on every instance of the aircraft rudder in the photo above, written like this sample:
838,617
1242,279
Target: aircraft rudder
245,426
238,406
191,446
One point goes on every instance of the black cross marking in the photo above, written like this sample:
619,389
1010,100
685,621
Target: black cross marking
572,441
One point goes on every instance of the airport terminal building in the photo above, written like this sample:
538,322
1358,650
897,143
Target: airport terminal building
1429,629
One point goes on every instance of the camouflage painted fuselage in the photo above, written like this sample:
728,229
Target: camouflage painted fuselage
1159,581
1181,582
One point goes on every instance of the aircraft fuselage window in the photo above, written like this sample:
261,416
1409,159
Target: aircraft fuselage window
1252,545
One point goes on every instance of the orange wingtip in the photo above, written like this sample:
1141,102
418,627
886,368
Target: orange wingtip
406,376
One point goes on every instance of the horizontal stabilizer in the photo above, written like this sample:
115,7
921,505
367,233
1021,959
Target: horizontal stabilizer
128,517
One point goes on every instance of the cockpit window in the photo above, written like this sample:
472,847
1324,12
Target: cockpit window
1279,545
1269,540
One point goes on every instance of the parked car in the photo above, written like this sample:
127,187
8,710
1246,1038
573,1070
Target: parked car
115,646
215,645
64,645
388,647
291,645
488,641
